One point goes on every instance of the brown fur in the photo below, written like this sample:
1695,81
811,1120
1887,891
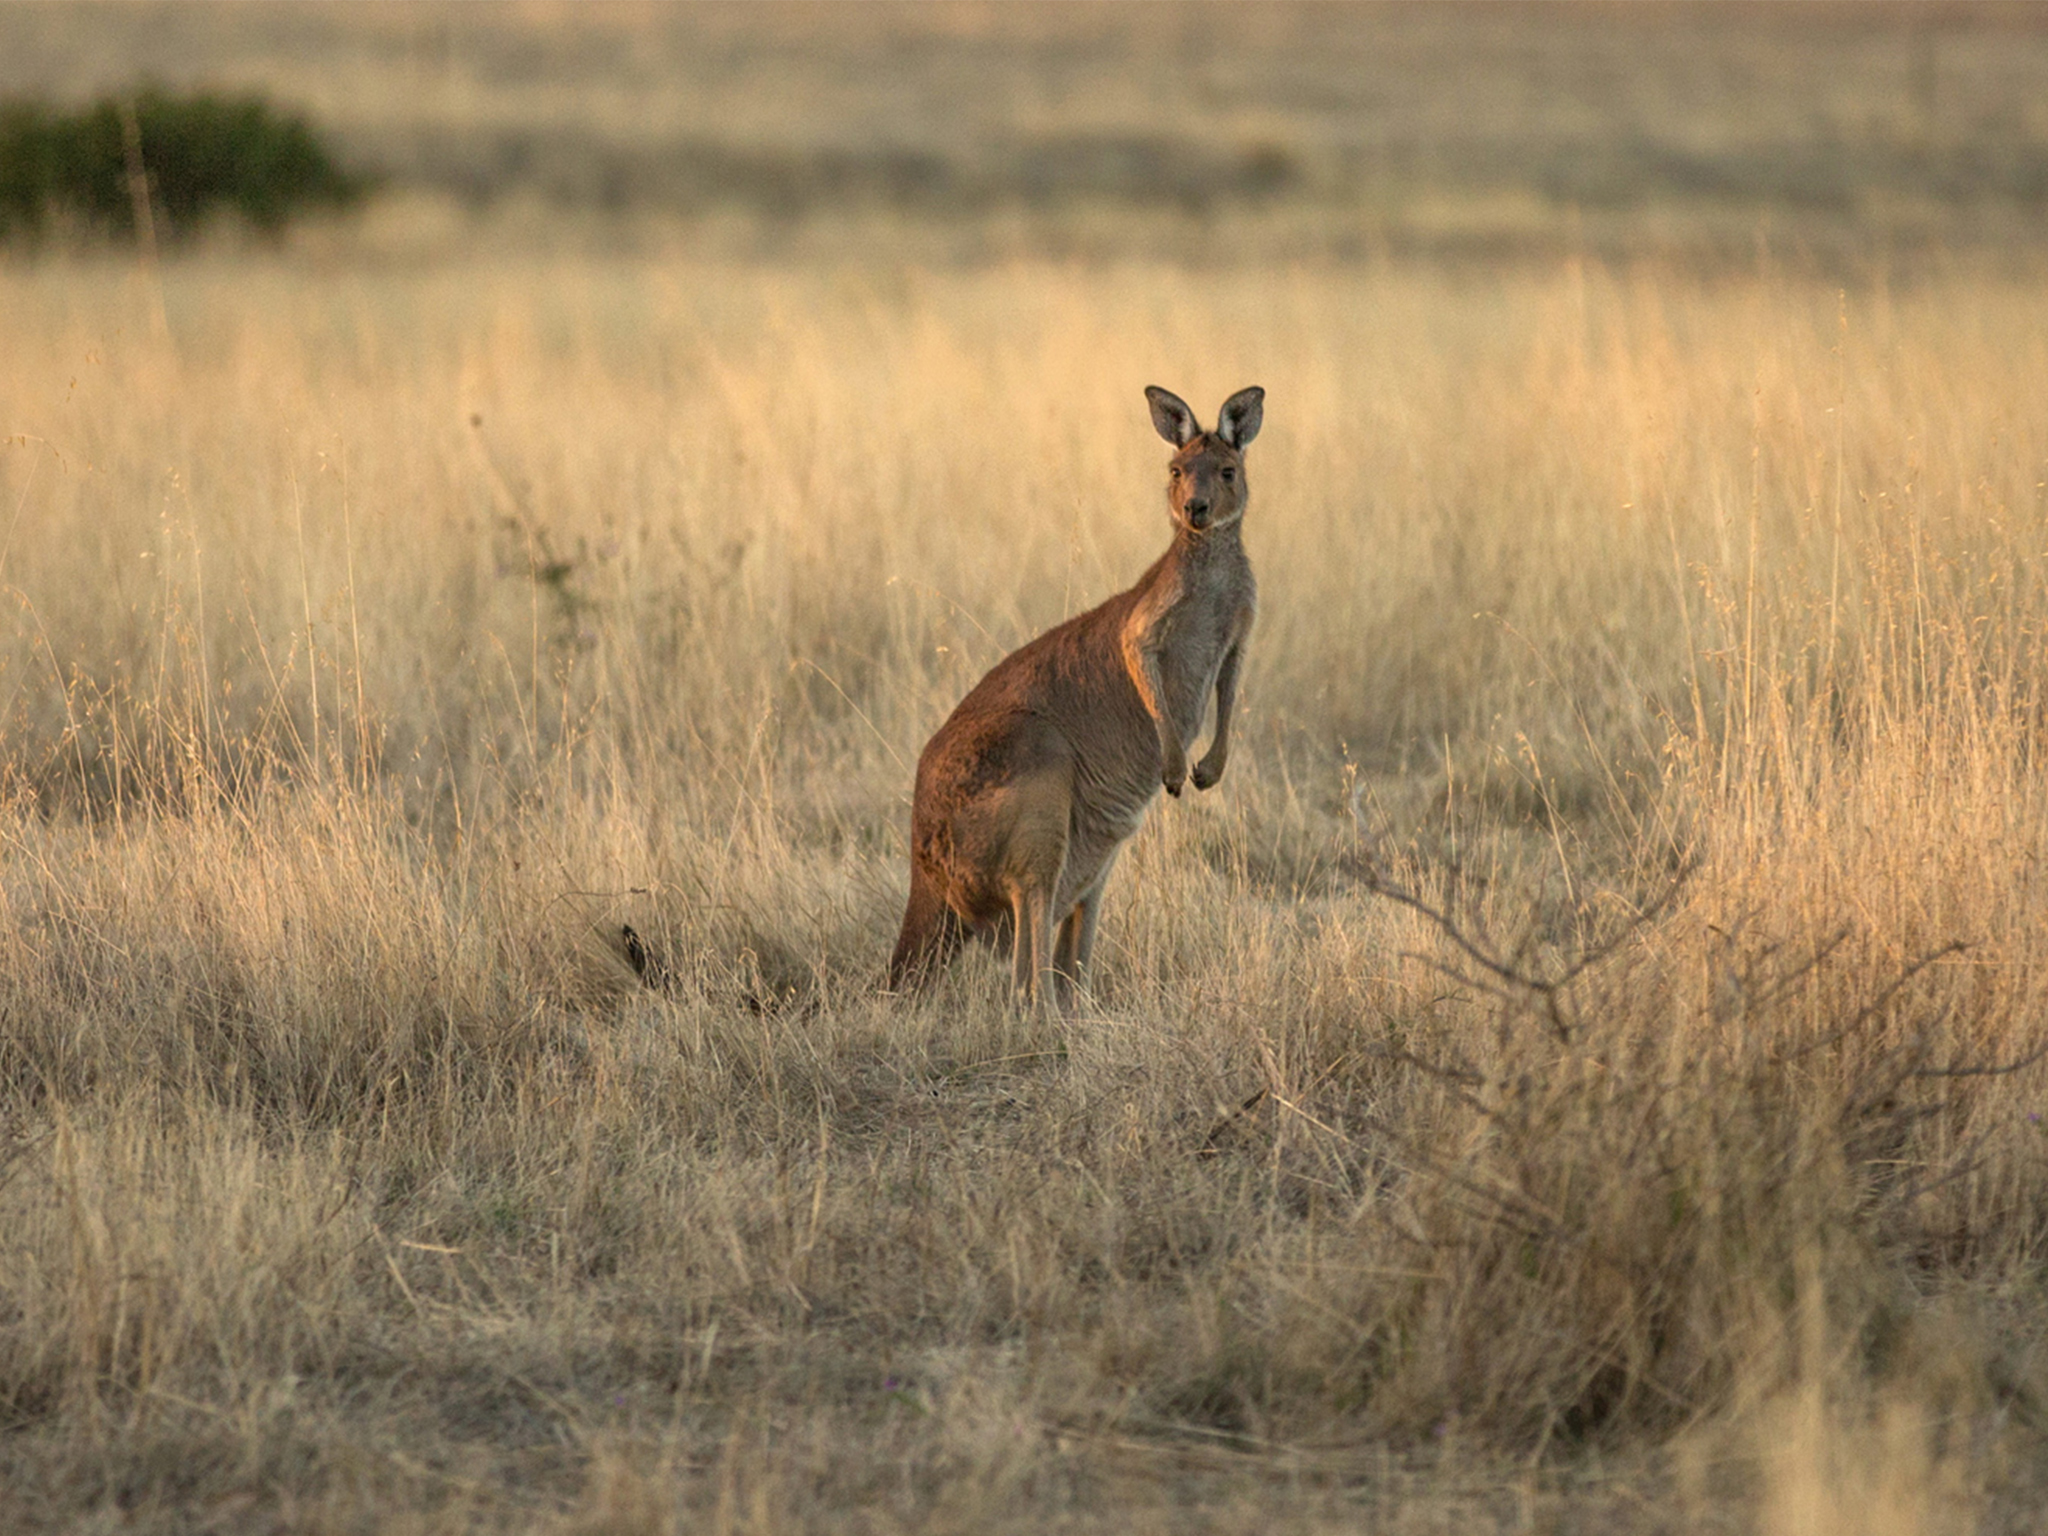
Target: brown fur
1043,772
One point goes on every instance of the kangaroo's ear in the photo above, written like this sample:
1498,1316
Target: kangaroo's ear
1170,414
1242,415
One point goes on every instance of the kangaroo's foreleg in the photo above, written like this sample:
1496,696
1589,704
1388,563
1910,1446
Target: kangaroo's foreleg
1210,769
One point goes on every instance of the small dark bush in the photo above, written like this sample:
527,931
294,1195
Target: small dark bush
202,154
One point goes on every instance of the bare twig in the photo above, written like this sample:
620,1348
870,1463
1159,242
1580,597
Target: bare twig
1998,1069
1877,1005
145,217
1211,1144
1510,971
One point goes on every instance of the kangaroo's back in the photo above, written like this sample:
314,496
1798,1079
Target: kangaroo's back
1044,770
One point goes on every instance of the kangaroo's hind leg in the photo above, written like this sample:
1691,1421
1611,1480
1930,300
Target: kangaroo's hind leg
1037,858
1066,973
1076,949
1031,961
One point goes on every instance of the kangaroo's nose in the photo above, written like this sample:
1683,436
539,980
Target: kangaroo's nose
1197,508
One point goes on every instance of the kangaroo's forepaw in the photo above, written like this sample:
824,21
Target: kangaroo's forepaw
1206,775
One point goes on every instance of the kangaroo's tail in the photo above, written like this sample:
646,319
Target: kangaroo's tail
932,935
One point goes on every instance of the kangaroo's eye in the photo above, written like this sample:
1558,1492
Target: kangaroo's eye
1229,475
1174,471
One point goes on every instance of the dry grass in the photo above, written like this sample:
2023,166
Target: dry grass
387,638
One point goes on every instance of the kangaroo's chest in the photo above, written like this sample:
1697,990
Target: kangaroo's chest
1191,636
1190,659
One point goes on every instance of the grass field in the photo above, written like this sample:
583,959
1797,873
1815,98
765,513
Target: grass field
1577,1072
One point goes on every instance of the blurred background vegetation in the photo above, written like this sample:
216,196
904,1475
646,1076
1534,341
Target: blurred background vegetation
206,153
1324,129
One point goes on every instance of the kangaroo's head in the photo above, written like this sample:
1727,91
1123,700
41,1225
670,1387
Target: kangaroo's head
1205,484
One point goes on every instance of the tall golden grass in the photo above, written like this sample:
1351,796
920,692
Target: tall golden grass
1574,1069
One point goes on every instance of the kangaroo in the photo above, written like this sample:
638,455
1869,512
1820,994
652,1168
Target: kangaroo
1041,775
